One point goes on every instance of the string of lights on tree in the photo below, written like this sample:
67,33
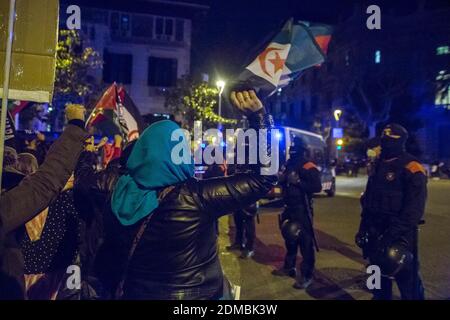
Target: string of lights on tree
202,100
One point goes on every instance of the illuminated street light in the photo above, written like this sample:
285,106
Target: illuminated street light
220,85
337,114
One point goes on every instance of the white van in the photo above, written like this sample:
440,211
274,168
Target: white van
318,152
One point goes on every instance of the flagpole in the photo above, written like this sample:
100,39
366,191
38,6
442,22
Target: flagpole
7,68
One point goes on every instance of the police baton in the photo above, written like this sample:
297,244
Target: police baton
309,214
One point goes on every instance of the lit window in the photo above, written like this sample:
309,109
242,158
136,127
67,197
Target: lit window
442,50
378,56
442,98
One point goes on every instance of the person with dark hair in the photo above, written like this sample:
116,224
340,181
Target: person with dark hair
11,177
393,205
34,193
300,179
27,163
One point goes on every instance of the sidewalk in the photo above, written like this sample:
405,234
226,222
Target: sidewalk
340,275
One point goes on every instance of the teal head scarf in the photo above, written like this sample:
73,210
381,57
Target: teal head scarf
150,168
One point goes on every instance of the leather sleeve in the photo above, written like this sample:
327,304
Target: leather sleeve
92,188
223,195
35,192
220,196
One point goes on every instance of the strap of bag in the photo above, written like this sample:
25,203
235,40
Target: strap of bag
137,238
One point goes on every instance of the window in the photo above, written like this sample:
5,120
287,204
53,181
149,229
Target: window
159,26
120,24
117,67
114,22
162,72
442,50
142,26
377,56
168,30
179,30
442,97
124,24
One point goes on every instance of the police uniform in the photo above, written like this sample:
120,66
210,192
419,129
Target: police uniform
393,205
244,221
300,179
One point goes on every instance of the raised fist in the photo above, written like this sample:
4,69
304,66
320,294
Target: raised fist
246,101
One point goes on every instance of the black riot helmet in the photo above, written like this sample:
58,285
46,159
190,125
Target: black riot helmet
290,230
393,259
393,141
298,148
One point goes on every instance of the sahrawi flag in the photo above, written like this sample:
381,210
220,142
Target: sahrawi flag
115,113
295,48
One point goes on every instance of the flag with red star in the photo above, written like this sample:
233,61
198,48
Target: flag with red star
294,49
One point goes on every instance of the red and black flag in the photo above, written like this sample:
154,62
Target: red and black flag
116,113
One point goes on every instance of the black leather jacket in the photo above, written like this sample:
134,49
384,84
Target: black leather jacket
176,257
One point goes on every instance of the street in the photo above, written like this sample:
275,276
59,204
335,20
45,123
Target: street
340,269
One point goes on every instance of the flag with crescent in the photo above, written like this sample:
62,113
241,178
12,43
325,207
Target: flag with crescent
294,49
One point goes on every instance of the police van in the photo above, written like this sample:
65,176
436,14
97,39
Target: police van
318,152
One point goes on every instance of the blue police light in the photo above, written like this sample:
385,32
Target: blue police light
278,135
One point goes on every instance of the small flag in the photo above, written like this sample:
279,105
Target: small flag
17,106
116,113
294,49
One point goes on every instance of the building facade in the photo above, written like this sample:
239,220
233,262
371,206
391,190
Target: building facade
145,45
372,74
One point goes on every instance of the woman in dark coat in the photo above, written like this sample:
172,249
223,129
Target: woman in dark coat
175,256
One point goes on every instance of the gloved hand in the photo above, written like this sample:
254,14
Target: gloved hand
75,112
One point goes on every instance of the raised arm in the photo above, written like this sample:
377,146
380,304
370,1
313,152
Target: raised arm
221,196
35,192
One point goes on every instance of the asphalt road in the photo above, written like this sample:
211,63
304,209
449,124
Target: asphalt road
340,269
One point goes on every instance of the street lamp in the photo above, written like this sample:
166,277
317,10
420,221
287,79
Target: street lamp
337,114
220,85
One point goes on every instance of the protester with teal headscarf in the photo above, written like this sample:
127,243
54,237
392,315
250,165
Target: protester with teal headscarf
150,168
176,254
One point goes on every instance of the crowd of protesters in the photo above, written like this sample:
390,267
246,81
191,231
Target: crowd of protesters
135,225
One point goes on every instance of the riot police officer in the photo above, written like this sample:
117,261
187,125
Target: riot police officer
300,179
393,205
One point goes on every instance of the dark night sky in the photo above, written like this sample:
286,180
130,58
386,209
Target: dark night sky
234,29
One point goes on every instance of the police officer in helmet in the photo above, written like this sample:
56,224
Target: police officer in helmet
300,179
393,205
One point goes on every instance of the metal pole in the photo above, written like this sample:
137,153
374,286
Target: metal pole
220,110
8,52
